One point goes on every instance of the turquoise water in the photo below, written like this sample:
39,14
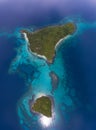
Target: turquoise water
36,72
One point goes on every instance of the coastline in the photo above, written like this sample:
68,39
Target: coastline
34,53
60,41
25,36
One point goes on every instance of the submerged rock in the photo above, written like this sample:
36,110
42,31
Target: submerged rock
54,80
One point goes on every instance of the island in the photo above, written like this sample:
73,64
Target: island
43,41
43,105
54,80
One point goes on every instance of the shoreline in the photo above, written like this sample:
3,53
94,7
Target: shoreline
34,53
60,41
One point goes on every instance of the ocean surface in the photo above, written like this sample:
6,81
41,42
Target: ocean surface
24,76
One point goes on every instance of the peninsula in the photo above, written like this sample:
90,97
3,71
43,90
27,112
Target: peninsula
43,106
43,41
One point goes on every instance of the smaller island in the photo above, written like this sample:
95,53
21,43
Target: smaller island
54,80
43,105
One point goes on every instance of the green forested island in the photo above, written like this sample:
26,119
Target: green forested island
43,41
43,106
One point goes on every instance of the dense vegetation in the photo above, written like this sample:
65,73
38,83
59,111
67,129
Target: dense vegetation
44,40
43,105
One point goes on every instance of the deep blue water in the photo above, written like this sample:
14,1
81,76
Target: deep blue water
76,59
